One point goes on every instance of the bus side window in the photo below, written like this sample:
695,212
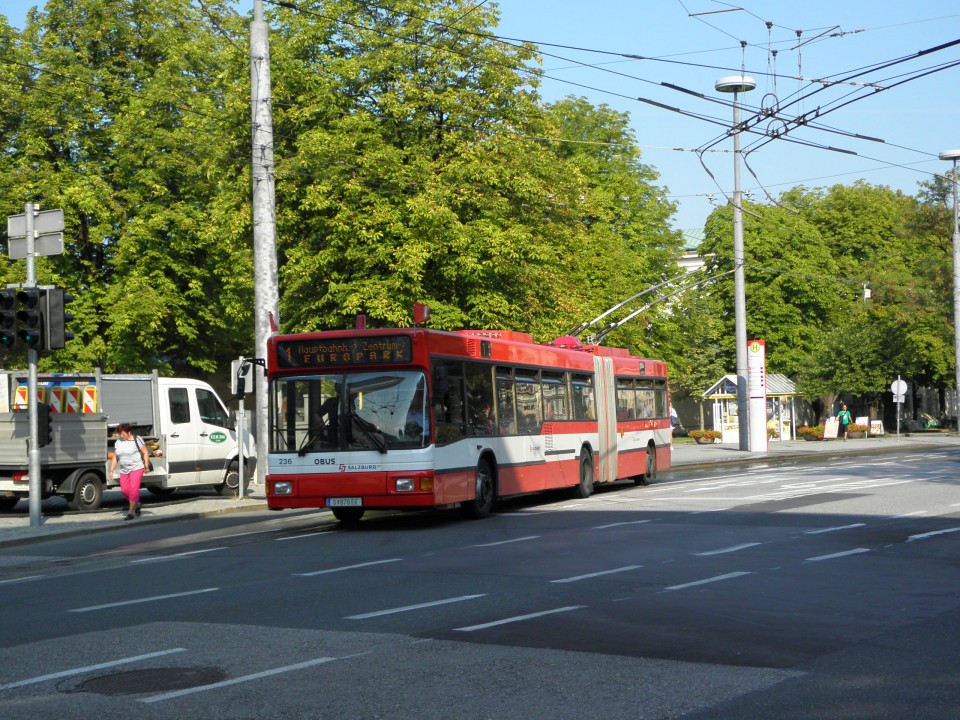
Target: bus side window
479,381
646,403
448,404
505,405
661,398
555,401
584,406
529,413
626,400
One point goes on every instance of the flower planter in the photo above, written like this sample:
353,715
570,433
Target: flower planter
856,434
705,441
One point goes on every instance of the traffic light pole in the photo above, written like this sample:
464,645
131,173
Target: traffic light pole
33,448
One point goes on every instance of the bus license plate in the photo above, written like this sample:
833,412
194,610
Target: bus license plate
345,502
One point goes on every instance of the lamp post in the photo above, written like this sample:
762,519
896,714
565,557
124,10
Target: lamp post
737,84
954,155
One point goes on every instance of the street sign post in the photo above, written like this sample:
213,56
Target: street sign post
899,389
48,227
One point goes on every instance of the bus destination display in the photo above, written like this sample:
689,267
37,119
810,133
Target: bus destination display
384,350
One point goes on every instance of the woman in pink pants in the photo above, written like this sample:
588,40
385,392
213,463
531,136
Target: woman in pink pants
132,457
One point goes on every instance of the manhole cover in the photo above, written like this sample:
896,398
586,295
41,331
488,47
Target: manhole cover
152,680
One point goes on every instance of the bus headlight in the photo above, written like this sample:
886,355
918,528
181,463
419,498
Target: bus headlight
283,487
404,485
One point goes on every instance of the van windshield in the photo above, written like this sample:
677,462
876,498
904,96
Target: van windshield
378,411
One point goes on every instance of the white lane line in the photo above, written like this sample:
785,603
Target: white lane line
22,579
89,668
626,568
718,578
106,606
418,606
731,549
915,513
845,553
176,556
834,529
305,535
519,618
236,681
924,536
347,567
618,524
507,542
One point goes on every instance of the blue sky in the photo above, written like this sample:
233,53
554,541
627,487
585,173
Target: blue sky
584,44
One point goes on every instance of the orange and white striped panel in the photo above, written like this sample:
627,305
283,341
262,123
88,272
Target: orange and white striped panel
56,398
72,400
89,398
20,397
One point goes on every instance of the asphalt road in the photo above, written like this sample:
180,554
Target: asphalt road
824,589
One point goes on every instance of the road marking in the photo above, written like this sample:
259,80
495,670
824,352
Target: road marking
924,536
734,548
89,668
106,606
845,553
519,618
618,524
507,542
626,568
347,567
22,579
305,535
407,608
718,578
160,558
834,529
236,681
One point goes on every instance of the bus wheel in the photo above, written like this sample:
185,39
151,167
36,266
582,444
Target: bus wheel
347,515
87,494
482,504
8,503
651,474
584,488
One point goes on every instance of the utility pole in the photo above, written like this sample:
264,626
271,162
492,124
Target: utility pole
265,274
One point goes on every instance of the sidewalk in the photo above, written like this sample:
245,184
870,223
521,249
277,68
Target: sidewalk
15,528
686,454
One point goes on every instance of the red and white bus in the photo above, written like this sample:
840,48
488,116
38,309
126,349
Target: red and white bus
416,419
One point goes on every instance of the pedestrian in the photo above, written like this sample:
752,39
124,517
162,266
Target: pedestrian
131,456
843,417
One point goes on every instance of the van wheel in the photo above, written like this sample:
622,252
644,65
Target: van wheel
584,488
482,503
231,485
88,493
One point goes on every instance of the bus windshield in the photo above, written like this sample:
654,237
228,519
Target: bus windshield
360,411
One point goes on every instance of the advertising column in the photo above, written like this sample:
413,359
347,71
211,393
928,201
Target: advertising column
757,391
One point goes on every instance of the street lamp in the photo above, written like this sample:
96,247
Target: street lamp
954,155
737,84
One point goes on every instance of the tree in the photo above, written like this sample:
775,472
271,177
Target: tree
125,122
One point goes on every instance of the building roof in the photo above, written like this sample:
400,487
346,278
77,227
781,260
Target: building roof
727,386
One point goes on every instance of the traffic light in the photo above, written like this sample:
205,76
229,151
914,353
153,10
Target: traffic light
44,429
56,317
8,319
31,318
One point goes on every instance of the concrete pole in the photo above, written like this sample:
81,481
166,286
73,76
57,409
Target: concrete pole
954,155
265,274
736,85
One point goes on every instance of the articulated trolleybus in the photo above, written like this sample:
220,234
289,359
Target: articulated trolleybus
417,419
